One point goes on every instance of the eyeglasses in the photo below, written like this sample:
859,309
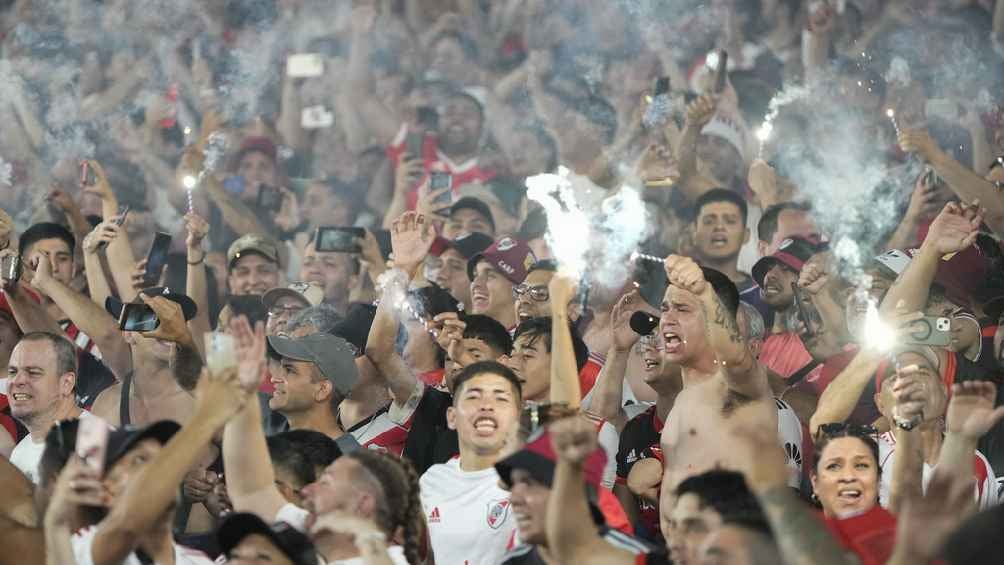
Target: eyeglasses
536,293
842,429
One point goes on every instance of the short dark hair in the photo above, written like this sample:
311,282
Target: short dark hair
540,328
724,491
490,367
724,288
45,230
303,453
488,330
476,204
549,265
767,226
722,195
66,352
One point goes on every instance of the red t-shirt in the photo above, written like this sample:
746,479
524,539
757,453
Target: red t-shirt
435,160
590,371
871,535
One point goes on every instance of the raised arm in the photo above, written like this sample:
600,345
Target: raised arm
908,468
571,534
196,285
971,414
89,317
28,313
608,392
732,355
118,252
250,476
838,400
966,184
219,398
564,373
375,116
699,113
952,231
188,362
411,237
97,280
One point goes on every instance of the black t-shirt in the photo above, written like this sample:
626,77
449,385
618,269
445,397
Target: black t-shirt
430,441
640,440
645,553
991,444
92,378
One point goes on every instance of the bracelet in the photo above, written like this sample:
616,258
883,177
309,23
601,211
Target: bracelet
199,262
904,424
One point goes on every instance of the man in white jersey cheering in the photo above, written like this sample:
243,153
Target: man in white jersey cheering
468,513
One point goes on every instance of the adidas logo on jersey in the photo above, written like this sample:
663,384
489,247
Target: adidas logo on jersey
434,515
632,456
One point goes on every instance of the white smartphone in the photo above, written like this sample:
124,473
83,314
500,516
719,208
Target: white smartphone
220,352
92,443
304,65
316,117
942,108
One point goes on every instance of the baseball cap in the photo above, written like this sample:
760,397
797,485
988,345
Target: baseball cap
114,305
539,458
333,355
310,293
793,252
472,203
895,260
122,440
468,245
508,255
293,544
355,326
433,300
260,144
252,243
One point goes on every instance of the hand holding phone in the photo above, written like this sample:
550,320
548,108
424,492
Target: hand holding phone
334,239
803,315
123,213
722,72
156,260
138,317
10,267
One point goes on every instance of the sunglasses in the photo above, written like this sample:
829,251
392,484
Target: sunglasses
536,293
843,429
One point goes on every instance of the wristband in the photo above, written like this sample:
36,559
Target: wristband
199,262
903,424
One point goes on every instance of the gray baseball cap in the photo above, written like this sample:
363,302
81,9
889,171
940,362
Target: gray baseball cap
334,356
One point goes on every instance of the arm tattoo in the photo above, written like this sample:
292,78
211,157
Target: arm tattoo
802,538
187,367
725,319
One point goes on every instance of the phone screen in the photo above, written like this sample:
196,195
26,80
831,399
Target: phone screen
156,260
803,316
138,317
722,73
11,267
92,442
250,306
339,239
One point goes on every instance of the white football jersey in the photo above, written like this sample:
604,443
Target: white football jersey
469,515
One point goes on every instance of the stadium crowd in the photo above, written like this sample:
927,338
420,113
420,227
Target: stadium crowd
479,282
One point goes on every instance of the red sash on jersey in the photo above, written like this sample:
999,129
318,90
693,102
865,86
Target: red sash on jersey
871,536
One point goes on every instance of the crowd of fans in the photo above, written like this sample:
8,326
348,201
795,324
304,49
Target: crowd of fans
274,289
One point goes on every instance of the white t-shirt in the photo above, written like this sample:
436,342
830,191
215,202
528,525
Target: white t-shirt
396,553
468,514
27,453
82,541
986,485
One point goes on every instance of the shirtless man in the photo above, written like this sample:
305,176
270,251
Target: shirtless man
719,373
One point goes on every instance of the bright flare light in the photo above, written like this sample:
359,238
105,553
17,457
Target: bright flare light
878,334
189,182
764,131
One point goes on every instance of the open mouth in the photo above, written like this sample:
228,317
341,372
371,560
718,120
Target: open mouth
673,342
21,396
485,426
719,241
849,494
650,364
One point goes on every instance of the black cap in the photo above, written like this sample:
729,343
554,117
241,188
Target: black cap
793,252
432,300
293,544
121,441
471,203
468,245
114,306
355,326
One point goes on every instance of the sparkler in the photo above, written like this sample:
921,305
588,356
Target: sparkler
216,147
638,256
891,114
763,134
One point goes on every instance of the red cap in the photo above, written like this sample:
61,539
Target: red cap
509,256
538,458
260,144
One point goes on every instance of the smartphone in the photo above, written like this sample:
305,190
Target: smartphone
383,240
269,198
803,316
942,108
643,323
930,330
439,181
658,104
156,259
220,353
87,177
92,443
338,239
11,267
249,306
304,65
138,317
316,117
427,119
123,214
722,72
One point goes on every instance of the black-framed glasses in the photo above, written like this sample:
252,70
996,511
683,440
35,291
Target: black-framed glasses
536,293
843,429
